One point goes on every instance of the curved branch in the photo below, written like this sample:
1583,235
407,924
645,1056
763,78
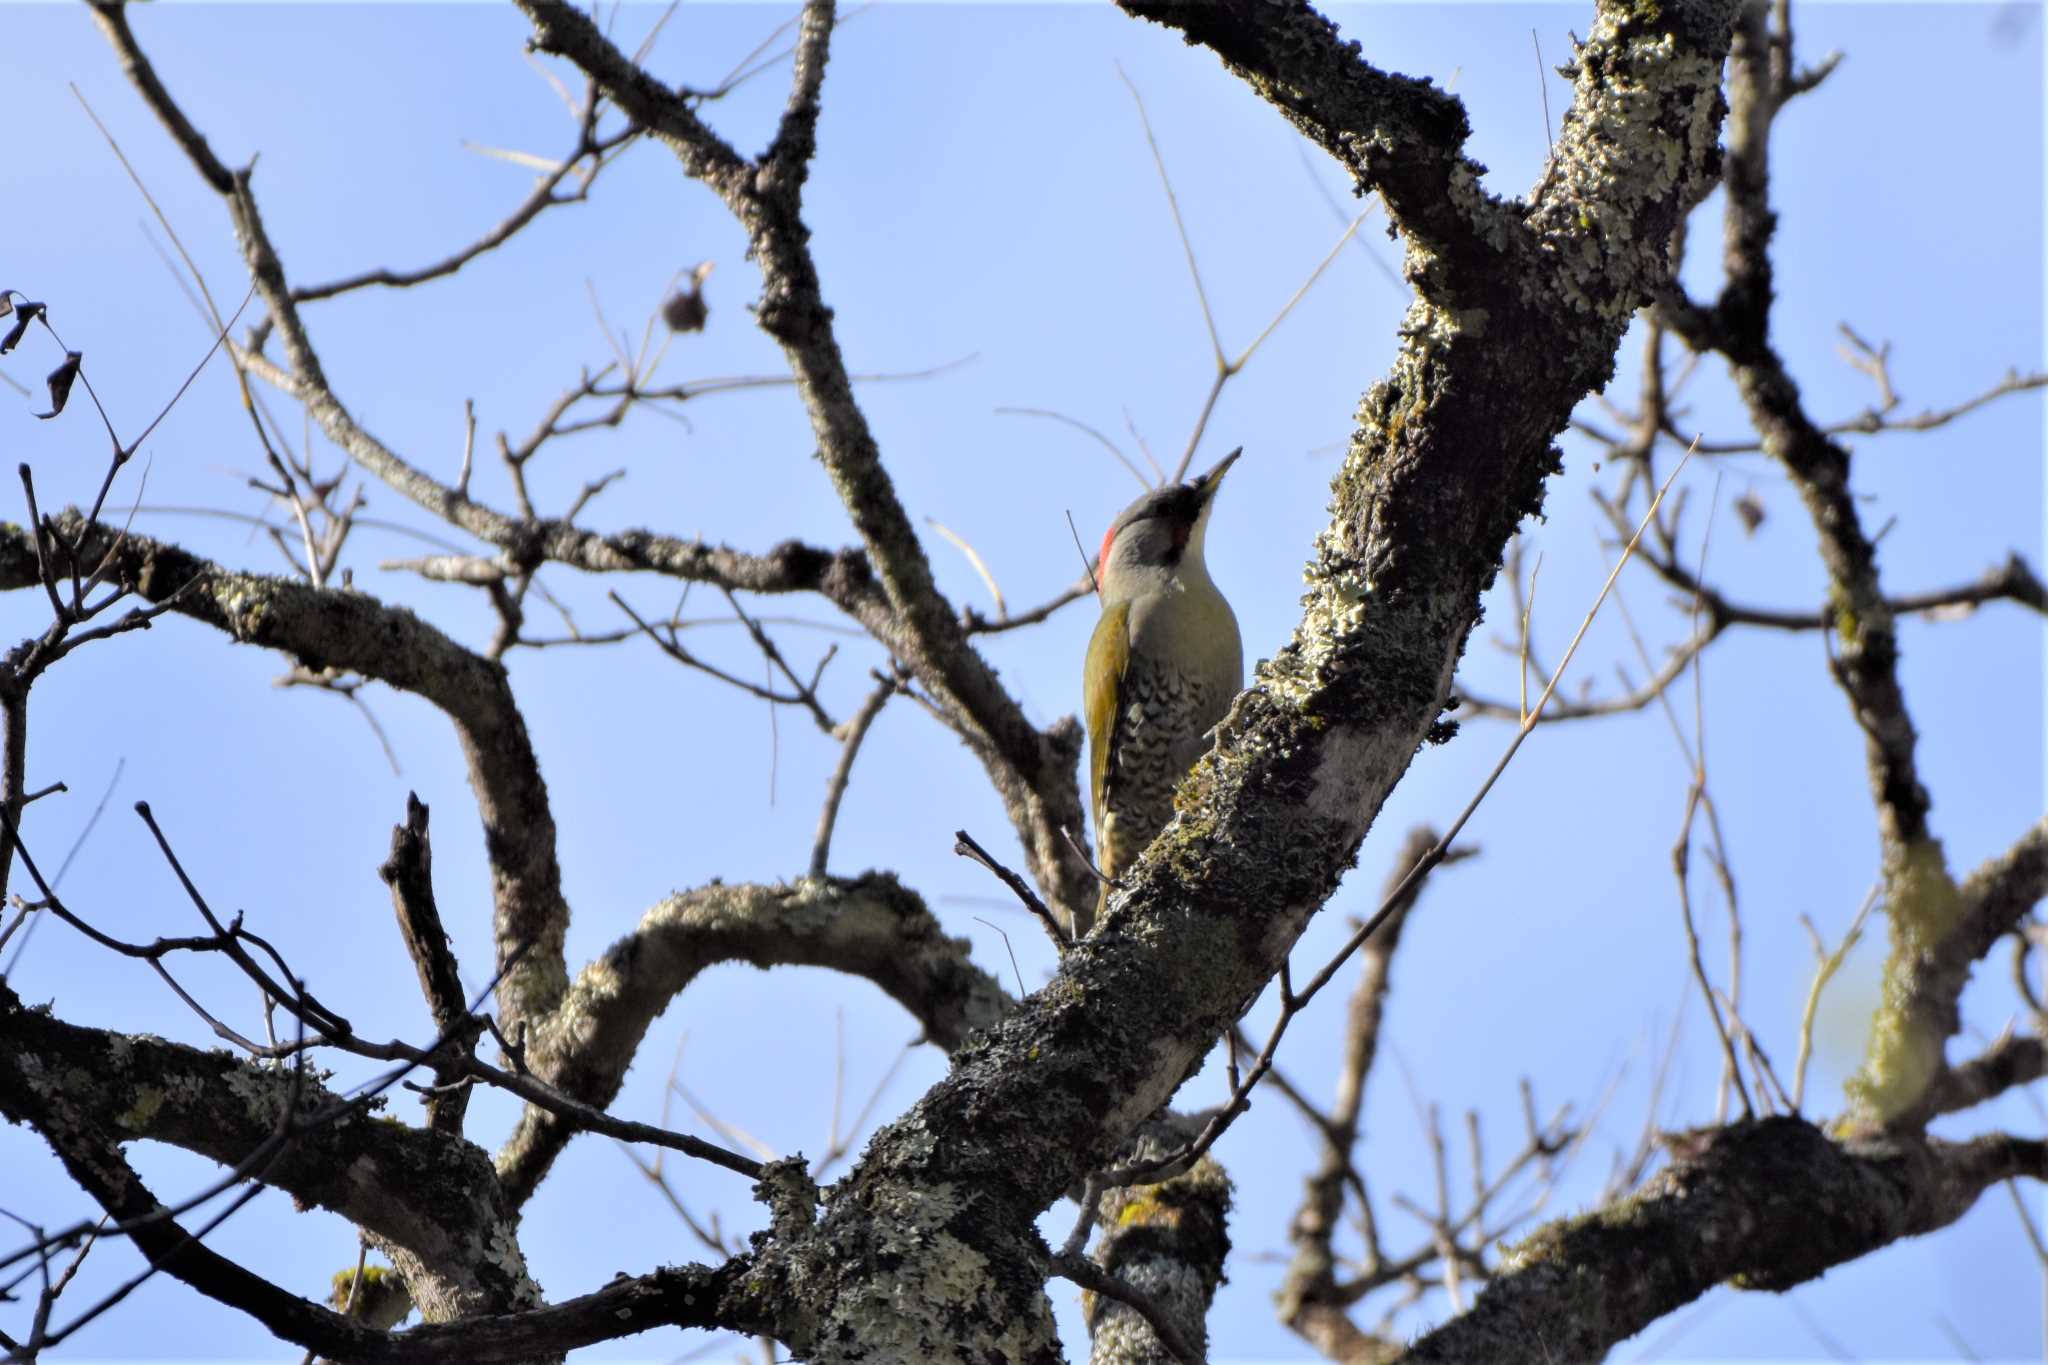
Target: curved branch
870,927
325,628
541,198
431,1202
1397,135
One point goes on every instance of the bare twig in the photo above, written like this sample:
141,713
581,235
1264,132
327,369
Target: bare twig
1096,1280
1827,964
852,733
966,847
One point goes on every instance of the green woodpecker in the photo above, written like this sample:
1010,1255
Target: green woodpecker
1163,667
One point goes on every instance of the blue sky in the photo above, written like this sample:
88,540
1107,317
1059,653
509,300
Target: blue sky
983,192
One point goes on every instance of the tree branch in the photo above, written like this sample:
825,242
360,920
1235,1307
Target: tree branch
1866,662
1451,452
328,628
1396,135
1924,987
409,872
1160,1256
871,927
2012,1061
1309,1300
1764,1205
1034,773
430,1201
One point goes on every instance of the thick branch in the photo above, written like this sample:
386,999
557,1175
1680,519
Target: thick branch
1764,1205
870,927
1396,135
1451,453
430,1200
1168,1241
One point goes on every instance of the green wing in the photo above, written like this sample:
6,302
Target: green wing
1109,651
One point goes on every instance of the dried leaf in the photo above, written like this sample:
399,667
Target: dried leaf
1750,508
60,383
27,313
685,310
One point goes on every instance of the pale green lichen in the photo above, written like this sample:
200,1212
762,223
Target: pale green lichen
1848,625
1630,86
504,1254
935,1274
1923,907
138,1117
956,1271
245,602
257,1092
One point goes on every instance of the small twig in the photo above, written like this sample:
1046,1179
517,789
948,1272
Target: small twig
973,557
1095,1279
1111,446
966,847
669,646
853,732
1087,564
860,1120
1732,1069
1829,964
468,447
725,1128
1522,655
1088,862
807,693
1179,225
1014,968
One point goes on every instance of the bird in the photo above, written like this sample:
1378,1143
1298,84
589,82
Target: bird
1163,666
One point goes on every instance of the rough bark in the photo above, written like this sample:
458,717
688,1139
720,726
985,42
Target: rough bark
1763,1205
927,1250
429,1200
1451,453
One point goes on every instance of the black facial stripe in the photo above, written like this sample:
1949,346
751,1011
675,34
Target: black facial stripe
1182,503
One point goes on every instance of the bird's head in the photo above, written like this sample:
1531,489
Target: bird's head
1159,537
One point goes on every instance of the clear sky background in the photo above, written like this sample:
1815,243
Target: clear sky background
983,192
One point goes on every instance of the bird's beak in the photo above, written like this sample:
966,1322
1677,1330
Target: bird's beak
1209,481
